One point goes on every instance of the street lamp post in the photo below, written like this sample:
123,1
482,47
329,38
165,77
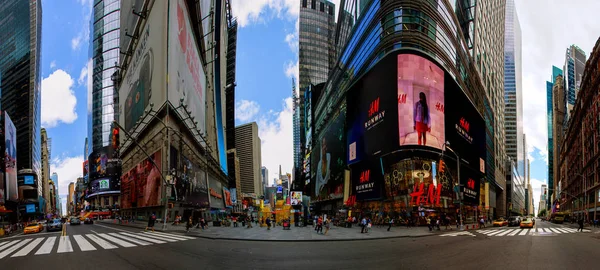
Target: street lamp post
447,145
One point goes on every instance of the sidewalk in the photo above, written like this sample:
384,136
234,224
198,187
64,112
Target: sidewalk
294,234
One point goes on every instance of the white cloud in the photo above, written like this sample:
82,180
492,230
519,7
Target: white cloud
544,43
292,71
277,139
68,170
246,110
84,34
58,99
53,64
83,74
248,12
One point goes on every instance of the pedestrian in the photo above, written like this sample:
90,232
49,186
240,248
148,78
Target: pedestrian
391,221
315,222
482,222
234,219
249,223
320,225
438,223
268,223
429,223
580,225
188,225
151,222
327,225
363,225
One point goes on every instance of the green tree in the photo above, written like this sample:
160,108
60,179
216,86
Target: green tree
542,213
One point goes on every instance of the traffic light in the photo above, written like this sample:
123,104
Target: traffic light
442,166
115,140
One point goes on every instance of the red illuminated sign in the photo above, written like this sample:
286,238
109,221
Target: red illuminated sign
402,99
464,124
432,197
364,176
374,108
471,184
439,106
351,200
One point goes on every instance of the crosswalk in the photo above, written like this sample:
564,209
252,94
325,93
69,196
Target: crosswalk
84,242
516,232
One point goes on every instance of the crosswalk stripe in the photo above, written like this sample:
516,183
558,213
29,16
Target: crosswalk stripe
544,230
3,243
524,231
115,240
132,240
47,246
503,233
571,230
100,242
514,232
64,245
496,232
154,236
555,230
83,244
24,251
165,236
9,243
144,238
174,236
563,230
14,247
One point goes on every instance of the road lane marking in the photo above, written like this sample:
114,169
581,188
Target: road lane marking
115,240
64,245
158,237
3,243
83,244
14,247
47,246
524,231
564,230
130,239
177,237
514,232
24,251
544,230
571,230
498,231
93,231
156,241
100,242
26,235
10,243
503,233
108,227
555,230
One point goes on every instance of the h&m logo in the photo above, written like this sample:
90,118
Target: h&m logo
471,184
364,176
374,107
464,124
375,115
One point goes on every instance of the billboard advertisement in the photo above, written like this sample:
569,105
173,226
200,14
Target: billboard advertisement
215,192
329,159
141,184
28,180
194,181
366,180
10,159
470,181
420,102
108,185
227,198
145,74
30,208
186,72
86,168
296,197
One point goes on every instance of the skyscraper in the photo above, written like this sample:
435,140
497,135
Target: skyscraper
247,144
513,93
45,170
21,32
264,177
482,24
552,129
573,68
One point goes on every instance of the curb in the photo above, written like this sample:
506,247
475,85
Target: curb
281,240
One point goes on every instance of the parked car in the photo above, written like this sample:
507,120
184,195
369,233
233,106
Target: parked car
54,225
33,228
75,221
88,221
500,222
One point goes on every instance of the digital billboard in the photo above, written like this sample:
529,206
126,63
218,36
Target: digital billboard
86,168
10,159
329,158
296,197
366,180
194,180
470,181
216,193
420,102
30,208
227,198
145,74
185,70
28,180
141,184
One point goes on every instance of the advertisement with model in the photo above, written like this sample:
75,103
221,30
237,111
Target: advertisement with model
145,74
329,159
10,159
186,72
194,181
141,184
296,197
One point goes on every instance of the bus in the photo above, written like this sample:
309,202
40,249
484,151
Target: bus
558,217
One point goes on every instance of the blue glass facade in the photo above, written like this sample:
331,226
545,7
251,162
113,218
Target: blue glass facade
550,139
20,37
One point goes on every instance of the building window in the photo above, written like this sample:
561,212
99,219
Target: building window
322,7
304,3
313,4
331,10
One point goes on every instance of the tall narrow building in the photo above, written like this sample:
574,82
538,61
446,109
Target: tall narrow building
248,147
513,92
553,128
573,68
45,170
20,40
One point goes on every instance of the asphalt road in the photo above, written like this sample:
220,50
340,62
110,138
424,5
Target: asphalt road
476,251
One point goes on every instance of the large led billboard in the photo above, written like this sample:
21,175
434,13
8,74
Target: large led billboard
10,159
145,76
141,184
193,184
186,72
420,101
329,159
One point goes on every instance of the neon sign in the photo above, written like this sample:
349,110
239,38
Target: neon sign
418,196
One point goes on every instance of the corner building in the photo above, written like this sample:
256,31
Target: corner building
406,85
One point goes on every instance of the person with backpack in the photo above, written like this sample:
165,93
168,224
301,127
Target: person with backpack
151,222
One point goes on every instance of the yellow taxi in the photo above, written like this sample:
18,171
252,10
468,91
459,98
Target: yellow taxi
526,223
33,228
500,222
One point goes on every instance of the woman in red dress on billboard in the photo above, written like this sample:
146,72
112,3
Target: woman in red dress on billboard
422,121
